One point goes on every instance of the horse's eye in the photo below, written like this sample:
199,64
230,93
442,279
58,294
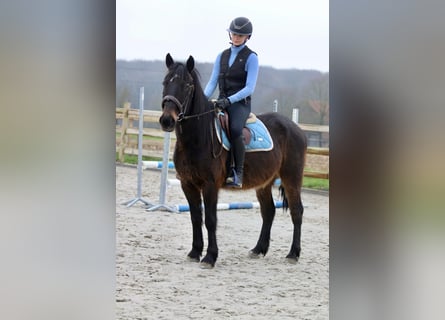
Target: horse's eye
174,77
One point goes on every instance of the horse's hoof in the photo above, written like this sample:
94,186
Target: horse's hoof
207,262
253,255
292,260
206,265
190,259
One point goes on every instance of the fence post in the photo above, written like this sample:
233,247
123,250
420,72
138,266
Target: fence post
124,137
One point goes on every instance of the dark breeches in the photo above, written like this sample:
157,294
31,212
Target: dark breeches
238,113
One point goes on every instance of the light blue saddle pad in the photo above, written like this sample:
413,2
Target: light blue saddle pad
260,141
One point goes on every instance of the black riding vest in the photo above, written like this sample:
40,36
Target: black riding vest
232,79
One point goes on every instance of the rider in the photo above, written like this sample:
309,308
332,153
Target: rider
235,71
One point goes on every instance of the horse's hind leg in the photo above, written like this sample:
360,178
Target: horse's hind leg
267,206
293,195
193,196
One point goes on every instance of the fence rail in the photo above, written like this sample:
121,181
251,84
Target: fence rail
125,130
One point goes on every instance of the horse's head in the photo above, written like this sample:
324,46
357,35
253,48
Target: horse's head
178,91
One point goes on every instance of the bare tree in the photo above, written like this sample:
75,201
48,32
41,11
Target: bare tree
317,95
123,96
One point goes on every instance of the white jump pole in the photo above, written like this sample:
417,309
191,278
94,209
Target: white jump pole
141,132
164,174
157,164
231,206
295,115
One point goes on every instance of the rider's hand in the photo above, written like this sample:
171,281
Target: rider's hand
223,103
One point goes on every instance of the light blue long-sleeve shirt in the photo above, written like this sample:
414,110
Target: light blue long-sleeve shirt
252,75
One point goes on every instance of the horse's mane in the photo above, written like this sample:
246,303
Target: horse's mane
200,100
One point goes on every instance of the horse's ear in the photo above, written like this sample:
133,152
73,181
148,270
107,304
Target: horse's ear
190,64
168,60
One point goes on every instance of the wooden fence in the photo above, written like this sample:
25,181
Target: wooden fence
126,130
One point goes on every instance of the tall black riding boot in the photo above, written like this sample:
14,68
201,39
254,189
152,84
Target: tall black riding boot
238,151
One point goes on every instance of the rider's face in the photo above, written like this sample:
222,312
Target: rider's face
238,39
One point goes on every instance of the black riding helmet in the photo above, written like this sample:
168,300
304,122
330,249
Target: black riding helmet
242,26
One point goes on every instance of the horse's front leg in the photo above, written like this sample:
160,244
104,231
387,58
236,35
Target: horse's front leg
210,195
193,196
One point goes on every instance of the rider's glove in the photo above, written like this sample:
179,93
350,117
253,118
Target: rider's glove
223,103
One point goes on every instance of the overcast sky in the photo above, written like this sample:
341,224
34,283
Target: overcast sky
286,34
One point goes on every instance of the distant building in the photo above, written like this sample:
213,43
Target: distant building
314,120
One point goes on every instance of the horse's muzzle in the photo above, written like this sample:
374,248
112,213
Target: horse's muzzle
167,122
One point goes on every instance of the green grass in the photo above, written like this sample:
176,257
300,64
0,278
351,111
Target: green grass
133,159
308,182
316,183
144,137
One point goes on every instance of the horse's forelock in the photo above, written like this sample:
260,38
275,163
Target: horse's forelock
196,78
178,69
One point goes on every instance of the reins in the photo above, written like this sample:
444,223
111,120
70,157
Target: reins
181,116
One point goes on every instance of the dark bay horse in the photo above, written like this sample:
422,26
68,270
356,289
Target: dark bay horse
200,162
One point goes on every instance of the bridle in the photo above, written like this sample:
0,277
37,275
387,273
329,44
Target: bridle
182,107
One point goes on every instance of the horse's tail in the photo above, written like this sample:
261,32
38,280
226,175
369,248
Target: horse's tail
283,196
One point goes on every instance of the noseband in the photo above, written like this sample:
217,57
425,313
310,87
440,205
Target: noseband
182,107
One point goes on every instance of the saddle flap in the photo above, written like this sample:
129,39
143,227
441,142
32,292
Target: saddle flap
247,135
223,118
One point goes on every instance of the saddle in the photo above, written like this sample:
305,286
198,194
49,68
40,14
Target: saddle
223,118
256,137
